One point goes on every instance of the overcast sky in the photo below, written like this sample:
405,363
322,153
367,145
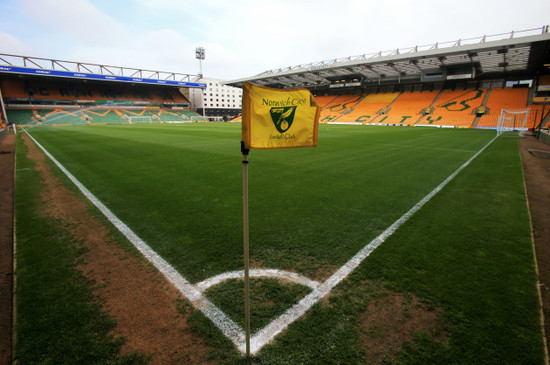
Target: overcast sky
246,37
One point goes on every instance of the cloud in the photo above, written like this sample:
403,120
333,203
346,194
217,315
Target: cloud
75,18
13,45
276,33
246,37
165,50
168,47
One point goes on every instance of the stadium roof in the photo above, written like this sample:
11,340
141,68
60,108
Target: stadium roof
36,66
514,53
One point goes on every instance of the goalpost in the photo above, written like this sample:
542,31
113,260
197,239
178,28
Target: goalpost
512,120
139,119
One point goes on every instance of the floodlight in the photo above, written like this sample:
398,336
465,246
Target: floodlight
199,53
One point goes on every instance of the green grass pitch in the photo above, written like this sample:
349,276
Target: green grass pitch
468,251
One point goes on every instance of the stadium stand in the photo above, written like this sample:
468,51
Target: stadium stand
447,108
105,115
339,106
27,116
535,116
58,116
177,115
57,102
370,107
191,115
30,90
455,108
408,107
453,82
20,116
168,116
503,98
324,100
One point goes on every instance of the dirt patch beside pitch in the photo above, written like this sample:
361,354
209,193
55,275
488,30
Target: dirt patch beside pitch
7,164
139,298
393,319
536,171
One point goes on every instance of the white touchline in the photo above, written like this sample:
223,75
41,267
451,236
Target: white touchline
228,327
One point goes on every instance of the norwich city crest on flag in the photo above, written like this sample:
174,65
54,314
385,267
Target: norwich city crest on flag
274,118
283,117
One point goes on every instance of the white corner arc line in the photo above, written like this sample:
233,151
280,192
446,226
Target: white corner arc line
228,327
257,273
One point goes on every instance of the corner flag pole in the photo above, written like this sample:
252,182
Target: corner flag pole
246,256
268,116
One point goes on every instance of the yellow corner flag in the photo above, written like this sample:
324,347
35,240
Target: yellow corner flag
274,118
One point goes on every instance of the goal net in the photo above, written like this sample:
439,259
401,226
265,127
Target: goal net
512,120
139,119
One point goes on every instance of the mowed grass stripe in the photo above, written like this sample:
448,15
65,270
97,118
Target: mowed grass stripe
170,196
310,209
459,253
469,251
58,319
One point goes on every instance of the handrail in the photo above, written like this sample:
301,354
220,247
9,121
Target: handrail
93,68
456,43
